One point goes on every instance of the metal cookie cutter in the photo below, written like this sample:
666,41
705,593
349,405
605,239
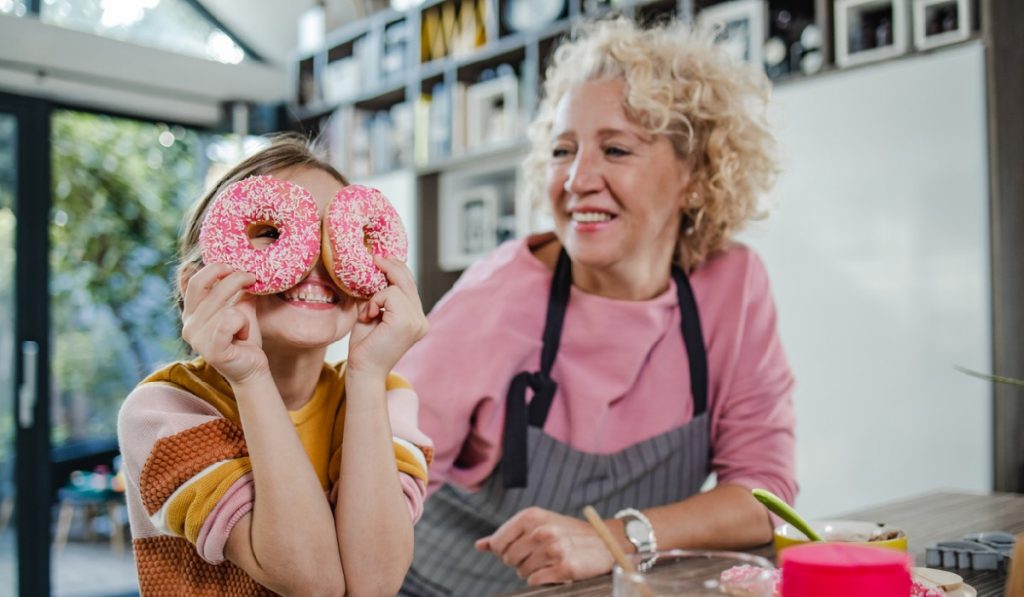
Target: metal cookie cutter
977,551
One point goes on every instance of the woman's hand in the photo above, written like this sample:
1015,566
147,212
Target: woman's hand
546,547
219,322
389,323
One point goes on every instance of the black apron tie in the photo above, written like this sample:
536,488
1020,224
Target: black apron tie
519,417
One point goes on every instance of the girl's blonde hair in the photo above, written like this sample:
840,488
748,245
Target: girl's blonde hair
286,150
678,84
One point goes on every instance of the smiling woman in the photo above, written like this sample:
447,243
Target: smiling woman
618,360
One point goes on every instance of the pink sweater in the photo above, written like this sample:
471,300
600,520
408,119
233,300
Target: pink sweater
622,371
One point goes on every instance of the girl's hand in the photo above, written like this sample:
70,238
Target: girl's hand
546,547
219,322
389,323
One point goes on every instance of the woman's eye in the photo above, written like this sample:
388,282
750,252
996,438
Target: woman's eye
616,151
559,152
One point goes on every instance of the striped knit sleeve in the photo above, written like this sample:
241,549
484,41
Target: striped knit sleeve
187,468
414,451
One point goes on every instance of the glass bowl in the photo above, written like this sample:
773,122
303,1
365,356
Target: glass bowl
680,572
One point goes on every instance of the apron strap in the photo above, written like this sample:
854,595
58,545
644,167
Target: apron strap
519,417
693,338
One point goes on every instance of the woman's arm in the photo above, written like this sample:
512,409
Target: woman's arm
546,547
726,517
287,542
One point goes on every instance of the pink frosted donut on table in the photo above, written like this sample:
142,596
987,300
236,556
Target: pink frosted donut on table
224,236
361,222
747,580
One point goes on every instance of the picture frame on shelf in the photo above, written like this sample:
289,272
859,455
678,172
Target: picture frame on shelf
870,30
478,208
492,111
740,27
469,226
941,22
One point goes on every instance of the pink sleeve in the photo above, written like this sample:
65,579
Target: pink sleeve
441,413
753,427
403,412
449,371
415,492
236,503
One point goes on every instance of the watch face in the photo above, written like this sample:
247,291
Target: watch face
637,530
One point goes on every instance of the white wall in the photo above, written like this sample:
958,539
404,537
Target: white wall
878,252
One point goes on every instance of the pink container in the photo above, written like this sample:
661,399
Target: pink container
844,570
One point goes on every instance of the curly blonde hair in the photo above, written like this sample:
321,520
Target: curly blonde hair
712,109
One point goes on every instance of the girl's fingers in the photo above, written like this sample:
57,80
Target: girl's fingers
223,293
198,285
230,324
398,274
379,302
403,305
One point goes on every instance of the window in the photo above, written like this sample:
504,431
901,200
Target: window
173,25
15,8
121,189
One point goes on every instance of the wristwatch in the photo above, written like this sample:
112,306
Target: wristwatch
640,533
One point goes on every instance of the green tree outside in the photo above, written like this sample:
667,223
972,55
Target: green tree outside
120,191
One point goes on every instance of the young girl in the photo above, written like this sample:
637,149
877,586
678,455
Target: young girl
305,477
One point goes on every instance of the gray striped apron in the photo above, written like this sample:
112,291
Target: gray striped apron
537,470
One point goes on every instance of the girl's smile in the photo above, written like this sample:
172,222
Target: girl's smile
312,293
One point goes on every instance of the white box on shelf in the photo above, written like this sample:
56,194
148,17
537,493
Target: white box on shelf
340,81
941,22
869,30
740,27
311,29
458,99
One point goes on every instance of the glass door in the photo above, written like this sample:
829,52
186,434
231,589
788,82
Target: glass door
8,133
121,188
24,349
90,207
120,191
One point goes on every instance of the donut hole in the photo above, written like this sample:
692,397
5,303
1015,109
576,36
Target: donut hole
262,234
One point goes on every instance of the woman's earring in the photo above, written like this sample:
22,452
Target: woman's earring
694,221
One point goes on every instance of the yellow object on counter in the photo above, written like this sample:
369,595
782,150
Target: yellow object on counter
842,531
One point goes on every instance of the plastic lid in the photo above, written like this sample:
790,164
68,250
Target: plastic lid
844,570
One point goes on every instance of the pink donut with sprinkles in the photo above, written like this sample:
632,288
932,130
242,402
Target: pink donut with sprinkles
747,580
361,222
263,201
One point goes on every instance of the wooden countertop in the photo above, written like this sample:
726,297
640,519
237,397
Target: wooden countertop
926,519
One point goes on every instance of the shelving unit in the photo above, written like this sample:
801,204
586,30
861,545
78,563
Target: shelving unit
394,94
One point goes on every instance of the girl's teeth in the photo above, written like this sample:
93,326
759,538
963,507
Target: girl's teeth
308,298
